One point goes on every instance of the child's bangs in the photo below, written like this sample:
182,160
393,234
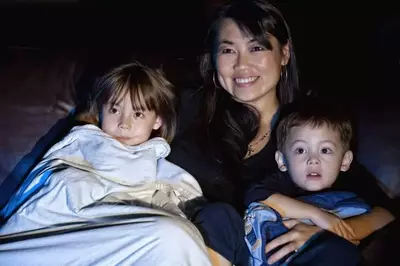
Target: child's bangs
141,96
117,94
138,97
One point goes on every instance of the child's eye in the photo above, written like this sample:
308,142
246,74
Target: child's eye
326,151
299,151
138,115
113,110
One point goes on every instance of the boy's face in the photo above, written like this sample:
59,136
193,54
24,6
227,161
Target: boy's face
128,126
314,157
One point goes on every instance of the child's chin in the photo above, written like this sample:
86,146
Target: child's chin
127,141
313,187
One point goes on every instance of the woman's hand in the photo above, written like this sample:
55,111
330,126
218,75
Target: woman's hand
291,241
336,225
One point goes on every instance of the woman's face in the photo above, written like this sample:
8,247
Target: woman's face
245,68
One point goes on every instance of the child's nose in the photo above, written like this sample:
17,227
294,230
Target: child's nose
124,126
313,160
125,123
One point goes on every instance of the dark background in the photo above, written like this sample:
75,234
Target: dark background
348,50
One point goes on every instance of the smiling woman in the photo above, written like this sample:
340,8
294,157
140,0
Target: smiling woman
249,70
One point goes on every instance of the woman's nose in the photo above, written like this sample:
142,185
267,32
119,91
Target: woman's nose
242,61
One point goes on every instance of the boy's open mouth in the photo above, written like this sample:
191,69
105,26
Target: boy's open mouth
314,175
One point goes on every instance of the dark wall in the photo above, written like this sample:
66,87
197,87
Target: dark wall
343,49
348,49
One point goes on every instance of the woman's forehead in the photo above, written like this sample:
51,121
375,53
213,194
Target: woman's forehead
229,30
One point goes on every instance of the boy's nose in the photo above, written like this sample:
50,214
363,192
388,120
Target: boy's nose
313,160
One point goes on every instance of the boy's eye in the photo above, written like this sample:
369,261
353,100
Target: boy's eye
138,115
326,151
299,151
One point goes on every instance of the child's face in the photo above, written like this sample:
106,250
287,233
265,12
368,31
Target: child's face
314,157
128,126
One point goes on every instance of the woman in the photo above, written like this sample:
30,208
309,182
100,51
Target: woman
249,71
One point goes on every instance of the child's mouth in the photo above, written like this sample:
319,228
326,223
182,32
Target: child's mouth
313,175
121,139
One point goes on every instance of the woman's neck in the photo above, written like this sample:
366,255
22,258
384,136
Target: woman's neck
267,109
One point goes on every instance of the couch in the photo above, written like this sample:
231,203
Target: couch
41,86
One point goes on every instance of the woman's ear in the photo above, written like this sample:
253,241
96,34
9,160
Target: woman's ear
280,160
158,123
285,54
346,161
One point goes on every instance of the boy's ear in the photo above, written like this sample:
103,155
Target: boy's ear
280,160
346,161
158,123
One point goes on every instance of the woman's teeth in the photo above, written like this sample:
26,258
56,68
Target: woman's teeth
245,80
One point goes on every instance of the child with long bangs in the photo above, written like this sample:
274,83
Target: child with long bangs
112,170
143,92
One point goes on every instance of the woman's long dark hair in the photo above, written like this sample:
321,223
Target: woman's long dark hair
225,127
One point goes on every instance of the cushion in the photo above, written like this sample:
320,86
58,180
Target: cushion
37,94
379,146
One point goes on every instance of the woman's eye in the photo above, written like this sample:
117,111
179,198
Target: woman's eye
226,51
299,151
326,151
138,115
257,49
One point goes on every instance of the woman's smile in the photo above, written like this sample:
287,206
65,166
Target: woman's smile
245,81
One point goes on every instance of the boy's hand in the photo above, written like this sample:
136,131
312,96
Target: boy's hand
334,224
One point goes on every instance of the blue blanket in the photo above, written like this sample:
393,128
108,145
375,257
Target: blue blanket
264,224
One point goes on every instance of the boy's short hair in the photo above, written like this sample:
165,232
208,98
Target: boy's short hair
315,113
149,90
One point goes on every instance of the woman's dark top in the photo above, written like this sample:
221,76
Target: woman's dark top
217,188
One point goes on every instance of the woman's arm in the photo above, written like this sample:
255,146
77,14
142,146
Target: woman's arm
299,233
272,192
366,224
353,229
360,181
295,209
291,208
